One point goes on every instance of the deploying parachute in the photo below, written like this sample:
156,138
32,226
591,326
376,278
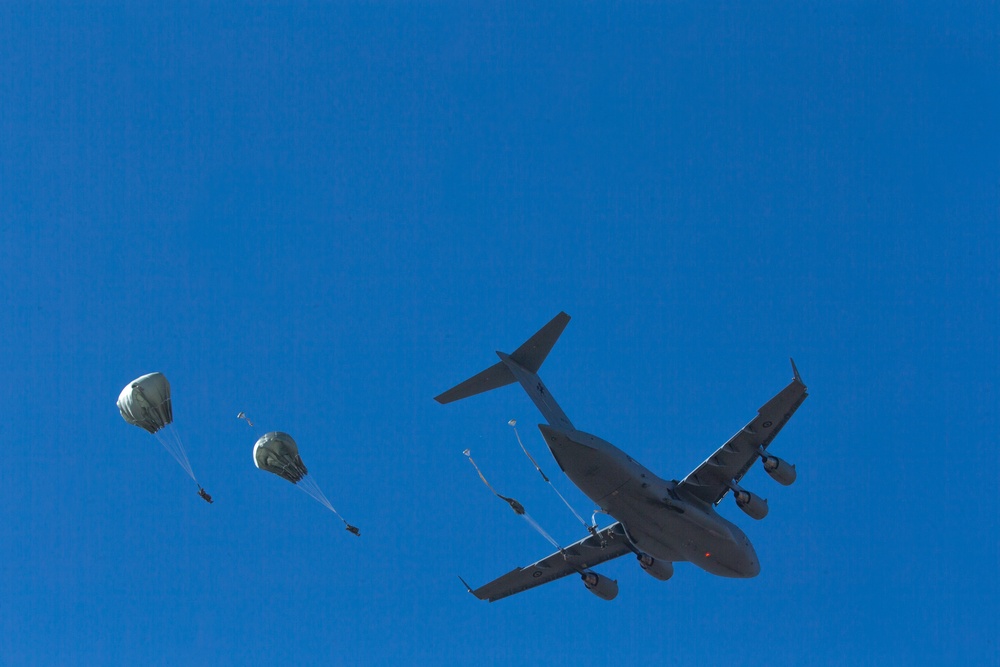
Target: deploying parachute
145,402
277,453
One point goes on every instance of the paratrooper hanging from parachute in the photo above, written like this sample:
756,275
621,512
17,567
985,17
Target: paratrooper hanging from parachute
145,402
277,453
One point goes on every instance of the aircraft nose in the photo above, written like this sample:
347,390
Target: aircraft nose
743,559
750,567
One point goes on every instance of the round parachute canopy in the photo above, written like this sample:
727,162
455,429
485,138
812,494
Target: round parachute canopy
145,402
277,453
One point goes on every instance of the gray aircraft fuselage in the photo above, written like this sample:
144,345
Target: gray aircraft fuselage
657,516
664,522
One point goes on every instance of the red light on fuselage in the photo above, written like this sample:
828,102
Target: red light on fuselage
708,555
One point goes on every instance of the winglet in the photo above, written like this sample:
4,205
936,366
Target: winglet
795,370
467,586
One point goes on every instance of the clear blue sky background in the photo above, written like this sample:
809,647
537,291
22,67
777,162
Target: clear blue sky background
325,215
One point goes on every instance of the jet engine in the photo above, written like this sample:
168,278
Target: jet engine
658,569
602,587
753,505
780,471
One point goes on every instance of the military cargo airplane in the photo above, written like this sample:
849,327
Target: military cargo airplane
660,522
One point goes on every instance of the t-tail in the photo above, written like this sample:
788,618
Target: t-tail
520,366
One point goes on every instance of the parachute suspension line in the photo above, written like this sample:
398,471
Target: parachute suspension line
513,424
310,487
171,441
516,506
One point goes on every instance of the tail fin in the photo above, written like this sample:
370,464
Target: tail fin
521,366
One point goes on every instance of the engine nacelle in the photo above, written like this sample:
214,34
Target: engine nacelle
752,504
658,569
780,471
602,587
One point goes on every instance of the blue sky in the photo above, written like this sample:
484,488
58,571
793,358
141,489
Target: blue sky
326,214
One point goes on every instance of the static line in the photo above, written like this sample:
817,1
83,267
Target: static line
514,505
513,424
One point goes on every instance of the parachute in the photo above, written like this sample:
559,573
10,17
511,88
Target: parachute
277,453
145,402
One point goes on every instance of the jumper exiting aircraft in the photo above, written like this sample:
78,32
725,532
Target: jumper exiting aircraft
660,522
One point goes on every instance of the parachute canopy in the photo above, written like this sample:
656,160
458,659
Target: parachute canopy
277,453
145,402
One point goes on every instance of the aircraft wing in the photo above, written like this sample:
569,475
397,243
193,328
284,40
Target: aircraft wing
731,461
581,555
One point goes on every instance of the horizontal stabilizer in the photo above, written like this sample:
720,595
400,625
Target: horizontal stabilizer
493,377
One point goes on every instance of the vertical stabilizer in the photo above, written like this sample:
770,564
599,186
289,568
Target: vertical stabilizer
537,392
